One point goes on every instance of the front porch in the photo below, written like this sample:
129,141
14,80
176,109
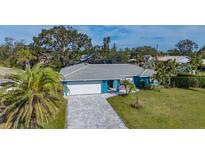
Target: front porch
110,86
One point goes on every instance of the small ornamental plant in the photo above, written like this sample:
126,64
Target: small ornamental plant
137,104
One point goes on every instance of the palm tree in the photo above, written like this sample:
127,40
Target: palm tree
164,72
129,87
31,98
195,62
106,46
25,56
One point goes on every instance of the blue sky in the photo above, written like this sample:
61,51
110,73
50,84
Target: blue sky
124,36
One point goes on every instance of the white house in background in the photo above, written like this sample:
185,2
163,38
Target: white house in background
101,78
4,71
179,59
203,61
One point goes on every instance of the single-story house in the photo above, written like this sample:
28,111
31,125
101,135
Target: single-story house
101,78
179,59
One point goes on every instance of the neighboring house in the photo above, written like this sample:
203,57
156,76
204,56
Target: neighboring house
147,58
101,78
85,58
4,71
203,61
179,59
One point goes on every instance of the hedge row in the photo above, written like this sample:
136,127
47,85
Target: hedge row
188,82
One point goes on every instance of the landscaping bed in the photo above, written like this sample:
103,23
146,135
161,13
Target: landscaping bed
166,108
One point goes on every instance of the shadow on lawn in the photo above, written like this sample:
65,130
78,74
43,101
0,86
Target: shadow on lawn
195,90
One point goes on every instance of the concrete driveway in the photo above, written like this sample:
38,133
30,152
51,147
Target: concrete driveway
92,111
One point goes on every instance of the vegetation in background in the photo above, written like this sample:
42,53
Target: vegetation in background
24,57
64,42
186,47
195,62
188,81
165,71
61,46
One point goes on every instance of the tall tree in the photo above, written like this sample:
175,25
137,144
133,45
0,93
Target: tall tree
32,98
61,39
164,72
8,51
113,52
174,52
195,62
106,46
186,47
114,48
25,56
201,52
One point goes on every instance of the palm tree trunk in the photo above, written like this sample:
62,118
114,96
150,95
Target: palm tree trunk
28,66
33,122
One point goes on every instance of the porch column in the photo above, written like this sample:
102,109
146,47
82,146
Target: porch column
65,88
104,86
116,84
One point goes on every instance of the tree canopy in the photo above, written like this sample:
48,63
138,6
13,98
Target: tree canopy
186,46
63,41
60,46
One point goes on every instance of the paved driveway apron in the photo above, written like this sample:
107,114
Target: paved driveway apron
92,111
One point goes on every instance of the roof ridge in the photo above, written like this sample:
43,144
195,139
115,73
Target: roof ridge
77,70
109,64
143,72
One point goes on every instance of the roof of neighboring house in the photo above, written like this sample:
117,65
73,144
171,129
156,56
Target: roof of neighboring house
4,71
83,71
203,61
179,59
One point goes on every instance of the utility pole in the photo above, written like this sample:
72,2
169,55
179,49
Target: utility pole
157,51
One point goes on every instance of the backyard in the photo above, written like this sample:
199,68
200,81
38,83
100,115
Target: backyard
167,108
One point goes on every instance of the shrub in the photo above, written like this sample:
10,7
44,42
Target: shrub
202,82
142,84
188,82
129,86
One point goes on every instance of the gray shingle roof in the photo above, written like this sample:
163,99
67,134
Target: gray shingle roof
147,73
83,71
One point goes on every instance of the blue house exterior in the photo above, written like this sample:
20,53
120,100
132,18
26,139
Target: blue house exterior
65,89
104,86
147,81
102,78
116,85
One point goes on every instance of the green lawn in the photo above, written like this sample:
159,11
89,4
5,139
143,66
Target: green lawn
167,108
202,73
60,120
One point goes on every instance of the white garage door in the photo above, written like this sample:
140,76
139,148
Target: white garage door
84,87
